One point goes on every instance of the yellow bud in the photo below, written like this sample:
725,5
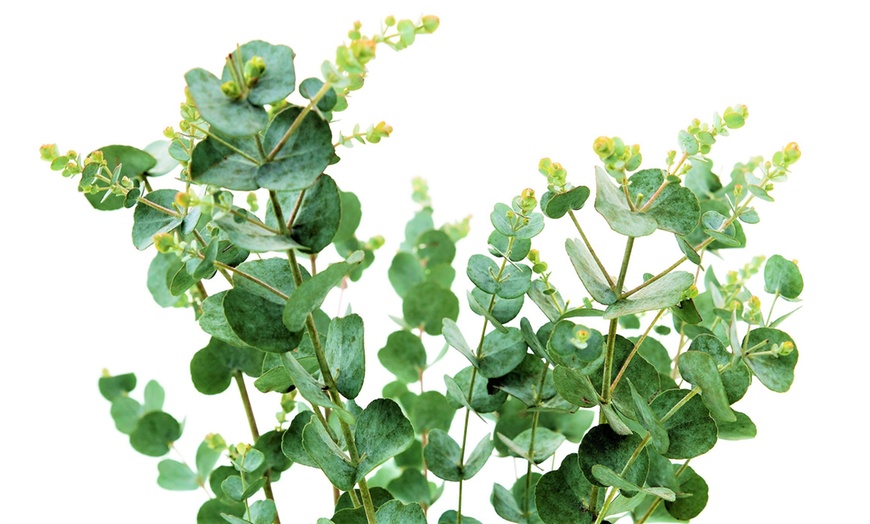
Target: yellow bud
528,193
603,146
231,89
431,23
182,199
164,242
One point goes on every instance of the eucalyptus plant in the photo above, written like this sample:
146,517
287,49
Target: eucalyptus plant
597,375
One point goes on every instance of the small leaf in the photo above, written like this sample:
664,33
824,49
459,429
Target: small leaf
688,143
153,397
212,367
742,428
154,433
555,205
328,456
346,355
112,387
443,456
263,512
215,163
148,221
232,117
694,496
394,512
501,352
714,224
783,277
291,441
699,369
277,81
775,372
403,356
478,457
381,432
691,430
610,203
427,304
176,476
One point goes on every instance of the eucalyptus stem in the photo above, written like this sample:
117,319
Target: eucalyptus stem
535,419
319,354
474,376
255,433
611,333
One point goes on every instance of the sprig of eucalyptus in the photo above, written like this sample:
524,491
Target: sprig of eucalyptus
244,137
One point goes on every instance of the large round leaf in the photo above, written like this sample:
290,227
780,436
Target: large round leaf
691,429
233,117
302,158
134,162
277,81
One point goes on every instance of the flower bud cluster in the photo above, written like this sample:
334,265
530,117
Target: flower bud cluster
618,157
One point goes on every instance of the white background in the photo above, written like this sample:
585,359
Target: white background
474,107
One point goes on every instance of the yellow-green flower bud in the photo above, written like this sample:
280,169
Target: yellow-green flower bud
254,69
49,152
231,89
390,21
603,146
164,242
430,23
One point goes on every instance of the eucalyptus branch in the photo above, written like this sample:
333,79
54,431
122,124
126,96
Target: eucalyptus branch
228,145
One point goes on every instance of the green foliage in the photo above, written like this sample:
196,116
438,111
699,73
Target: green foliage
659,359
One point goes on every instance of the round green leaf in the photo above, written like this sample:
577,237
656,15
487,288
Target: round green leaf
317,218
381,432
258,322
230,116
503,309
175,476
273,271
291,441
133,163
691,429
482,400
426,304
302,158
213,366
403,356
783,277
775,372
736,378
111,387
125,412
148,221
431,411
214,163
279,78
435,247
561,496
405,271
154,432
309,88
501,352
499,244
395,512
601,445
311,294
443,456
566,347
159,149
610,203
555,205
345,354
694,493
212,510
